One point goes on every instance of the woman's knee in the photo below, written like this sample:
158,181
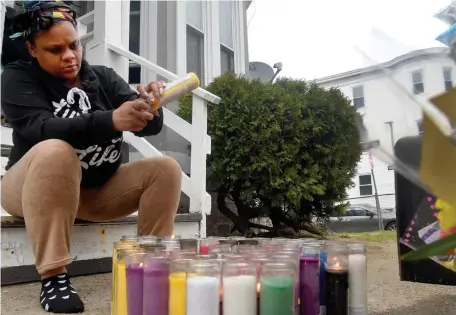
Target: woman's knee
57,154
167,167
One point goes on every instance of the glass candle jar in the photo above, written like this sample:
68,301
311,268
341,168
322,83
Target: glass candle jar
277,288
190,244
219,249
156,284
177,286
239,288
336,279
357,279
204,244
120,284
134,282
309,280
203,288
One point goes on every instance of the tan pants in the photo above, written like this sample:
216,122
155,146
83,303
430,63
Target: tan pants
44,189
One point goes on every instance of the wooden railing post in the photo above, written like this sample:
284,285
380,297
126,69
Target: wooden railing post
199,200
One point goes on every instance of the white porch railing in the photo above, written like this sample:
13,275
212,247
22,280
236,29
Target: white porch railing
105,45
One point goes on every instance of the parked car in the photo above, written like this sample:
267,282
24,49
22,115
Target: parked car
362,218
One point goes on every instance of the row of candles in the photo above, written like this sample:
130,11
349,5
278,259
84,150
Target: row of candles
238,276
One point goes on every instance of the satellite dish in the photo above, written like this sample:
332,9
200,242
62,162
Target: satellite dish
260,70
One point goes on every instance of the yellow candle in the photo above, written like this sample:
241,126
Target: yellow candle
121,281
177,293
114,282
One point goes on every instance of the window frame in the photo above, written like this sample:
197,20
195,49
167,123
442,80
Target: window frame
418,86
362,98
448,83
365,185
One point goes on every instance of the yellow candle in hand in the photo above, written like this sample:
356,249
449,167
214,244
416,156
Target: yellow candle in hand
177,293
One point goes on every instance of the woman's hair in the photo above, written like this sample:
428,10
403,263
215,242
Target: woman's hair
22,25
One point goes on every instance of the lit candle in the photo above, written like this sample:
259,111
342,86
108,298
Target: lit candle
309,273
134,276
336,280
156,285
239,288
277,289
203,295
357,280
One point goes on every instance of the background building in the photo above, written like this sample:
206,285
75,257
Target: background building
424,73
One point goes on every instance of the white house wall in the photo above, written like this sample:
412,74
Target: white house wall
384,103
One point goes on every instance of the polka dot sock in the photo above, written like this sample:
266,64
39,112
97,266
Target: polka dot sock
58,296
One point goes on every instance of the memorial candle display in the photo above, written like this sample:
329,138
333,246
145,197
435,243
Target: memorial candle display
277,294
336,279
309,280
203,288
134,283
239,288
156,285
357,279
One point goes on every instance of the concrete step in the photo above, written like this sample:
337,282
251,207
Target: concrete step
91,246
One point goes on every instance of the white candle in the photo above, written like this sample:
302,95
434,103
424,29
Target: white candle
203,296
357,284
240,295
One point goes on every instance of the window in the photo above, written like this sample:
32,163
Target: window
226,23
419,124
448,78
365,185
358,96
226,59
417,80
195,52
134,73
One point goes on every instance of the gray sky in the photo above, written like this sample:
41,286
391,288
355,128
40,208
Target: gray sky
316,38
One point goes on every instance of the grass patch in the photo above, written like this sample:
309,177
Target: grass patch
376,236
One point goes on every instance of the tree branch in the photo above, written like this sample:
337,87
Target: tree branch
240,224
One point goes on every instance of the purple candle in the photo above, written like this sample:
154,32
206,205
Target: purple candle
156,287
309,274
135,289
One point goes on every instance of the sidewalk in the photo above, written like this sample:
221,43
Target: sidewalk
95,291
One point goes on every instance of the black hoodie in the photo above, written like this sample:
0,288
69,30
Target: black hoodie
40,106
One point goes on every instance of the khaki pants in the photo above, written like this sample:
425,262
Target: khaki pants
44,189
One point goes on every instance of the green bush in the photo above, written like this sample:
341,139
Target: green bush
286,150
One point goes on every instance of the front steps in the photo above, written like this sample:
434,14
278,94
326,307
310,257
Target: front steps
91,245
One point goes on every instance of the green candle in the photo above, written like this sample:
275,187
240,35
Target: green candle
277,295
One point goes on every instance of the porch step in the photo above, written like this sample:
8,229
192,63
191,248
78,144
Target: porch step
91,246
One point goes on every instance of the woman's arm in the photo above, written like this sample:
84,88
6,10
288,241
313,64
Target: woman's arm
121,93
29,113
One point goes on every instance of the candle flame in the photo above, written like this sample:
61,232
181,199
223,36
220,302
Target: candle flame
258,287
141,265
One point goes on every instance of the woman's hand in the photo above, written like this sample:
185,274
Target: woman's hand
152,90
132,115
